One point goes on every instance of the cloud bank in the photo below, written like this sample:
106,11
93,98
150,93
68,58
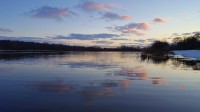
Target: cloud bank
86,36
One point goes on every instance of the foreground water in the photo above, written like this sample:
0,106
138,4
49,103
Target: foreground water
97,82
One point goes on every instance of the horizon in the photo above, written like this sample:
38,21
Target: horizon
105,23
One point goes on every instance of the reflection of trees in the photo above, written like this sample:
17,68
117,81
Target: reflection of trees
27,55
186,64
195,65
154,59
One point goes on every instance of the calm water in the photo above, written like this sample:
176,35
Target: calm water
97,82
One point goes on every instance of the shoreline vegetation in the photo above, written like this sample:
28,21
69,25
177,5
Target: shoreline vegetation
180,48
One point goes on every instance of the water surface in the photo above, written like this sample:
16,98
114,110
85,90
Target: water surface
97,82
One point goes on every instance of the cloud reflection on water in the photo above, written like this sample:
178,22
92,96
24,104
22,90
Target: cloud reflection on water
87,65
137,73
94,92
52,86
5,69
86,80
158,80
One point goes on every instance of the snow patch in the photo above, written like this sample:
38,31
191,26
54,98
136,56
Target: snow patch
194,54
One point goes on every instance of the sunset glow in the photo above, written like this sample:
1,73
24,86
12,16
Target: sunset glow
106,23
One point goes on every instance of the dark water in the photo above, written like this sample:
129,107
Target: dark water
97,82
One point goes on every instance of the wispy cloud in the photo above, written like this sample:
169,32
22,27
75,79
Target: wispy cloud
132,28
91,6
185,34
114,16
160,20
140,40
103,42
145,41
86,36
151,40
47,12
5,30
125,39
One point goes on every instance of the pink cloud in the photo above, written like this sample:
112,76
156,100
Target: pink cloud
160,20
114,16
92,6
134,31
126,18
144,26
132,28
106,8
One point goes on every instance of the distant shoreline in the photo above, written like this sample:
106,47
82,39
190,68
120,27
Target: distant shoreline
48,51
20,46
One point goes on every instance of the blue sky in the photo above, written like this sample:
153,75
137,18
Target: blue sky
98,22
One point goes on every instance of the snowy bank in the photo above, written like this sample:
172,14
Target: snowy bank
191,54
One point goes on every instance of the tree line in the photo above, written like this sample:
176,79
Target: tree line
178,43
20,45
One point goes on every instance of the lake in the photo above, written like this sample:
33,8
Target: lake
97,82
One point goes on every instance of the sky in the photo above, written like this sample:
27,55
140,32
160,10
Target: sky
106,23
